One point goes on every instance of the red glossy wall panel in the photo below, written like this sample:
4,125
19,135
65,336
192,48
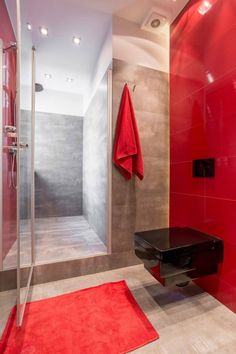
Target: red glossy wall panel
9,91
203,124
6,31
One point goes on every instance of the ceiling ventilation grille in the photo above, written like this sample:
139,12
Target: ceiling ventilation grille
154,22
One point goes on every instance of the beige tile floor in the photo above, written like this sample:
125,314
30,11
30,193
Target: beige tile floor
188,320
57,239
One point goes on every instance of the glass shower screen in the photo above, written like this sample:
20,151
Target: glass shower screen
25,162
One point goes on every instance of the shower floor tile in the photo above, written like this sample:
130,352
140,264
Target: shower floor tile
57,239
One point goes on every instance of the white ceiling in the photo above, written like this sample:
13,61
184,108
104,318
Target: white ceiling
135,10
56,54
88,19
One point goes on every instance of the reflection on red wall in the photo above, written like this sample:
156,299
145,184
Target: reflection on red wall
203,124
9,92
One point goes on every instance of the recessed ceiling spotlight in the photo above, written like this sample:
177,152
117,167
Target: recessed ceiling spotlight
76,40
47,76
43,31
29,27
69,79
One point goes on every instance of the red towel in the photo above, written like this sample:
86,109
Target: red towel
127,149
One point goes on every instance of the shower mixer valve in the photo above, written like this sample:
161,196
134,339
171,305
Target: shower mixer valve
12,149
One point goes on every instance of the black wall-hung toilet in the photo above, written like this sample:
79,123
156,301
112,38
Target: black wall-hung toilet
177,255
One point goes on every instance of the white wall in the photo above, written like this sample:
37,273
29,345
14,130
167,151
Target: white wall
103,62
59,102
136,46
50,101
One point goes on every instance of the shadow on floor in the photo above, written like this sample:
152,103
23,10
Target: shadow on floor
170,299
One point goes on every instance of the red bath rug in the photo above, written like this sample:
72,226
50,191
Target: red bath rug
104,319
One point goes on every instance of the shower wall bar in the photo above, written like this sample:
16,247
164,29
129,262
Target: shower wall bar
1,158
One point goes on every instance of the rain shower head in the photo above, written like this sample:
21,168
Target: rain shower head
38,87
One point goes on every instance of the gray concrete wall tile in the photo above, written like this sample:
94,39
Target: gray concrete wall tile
58,165
142,205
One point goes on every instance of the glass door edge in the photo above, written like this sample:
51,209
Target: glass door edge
22,307
109,161
18,74
33,156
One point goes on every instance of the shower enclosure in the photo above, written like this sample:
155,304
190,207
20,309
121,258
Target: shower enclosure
17,154
56,166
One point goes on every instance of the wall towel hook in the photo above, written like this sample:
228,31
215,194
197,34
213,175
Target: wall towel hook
134,85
